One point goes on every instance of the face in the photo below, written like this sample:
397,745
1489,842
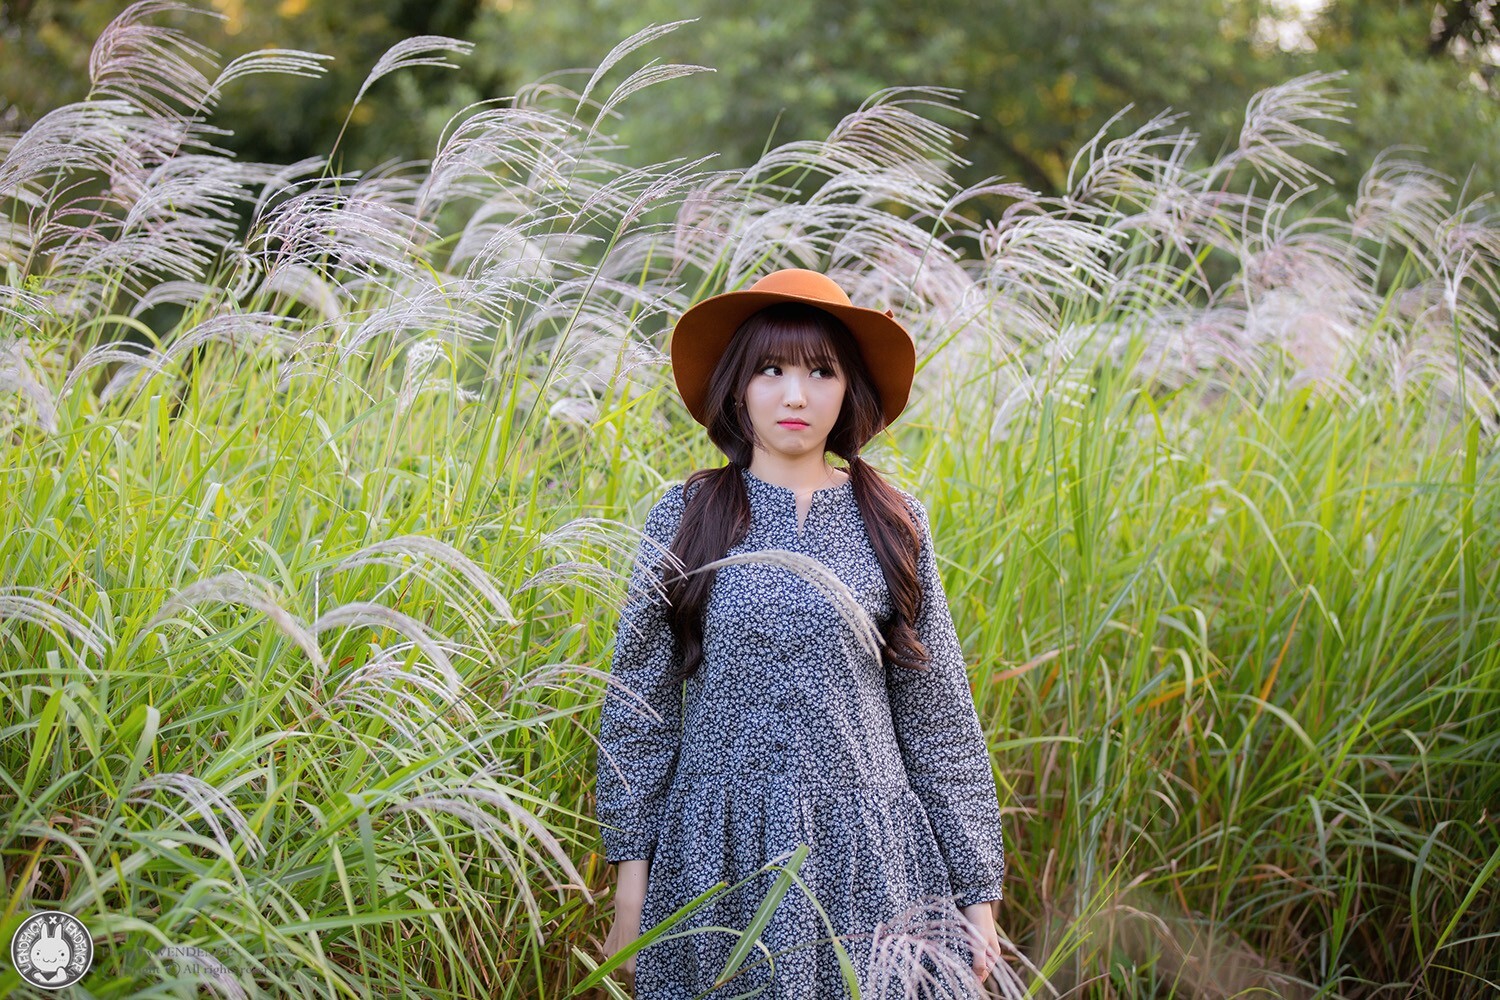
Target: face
49,953
793,406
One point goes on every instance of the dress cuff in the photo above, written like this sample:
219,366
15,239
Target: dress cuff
620,846
984,894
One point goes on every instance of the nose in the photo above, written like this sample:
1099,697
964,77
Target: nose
792,386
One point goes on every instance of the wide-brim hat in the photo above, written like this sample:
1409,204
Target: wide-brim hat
703,333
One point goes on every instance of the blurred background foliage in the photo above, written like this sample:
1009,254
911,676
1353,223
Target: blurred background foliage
1041,78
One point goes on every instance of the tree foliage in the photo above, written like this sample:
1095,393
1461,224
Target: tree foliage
273,117
1039,79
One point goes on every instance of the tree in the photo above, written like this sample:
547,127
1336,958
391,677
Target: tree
1421,77
273,117
1042,78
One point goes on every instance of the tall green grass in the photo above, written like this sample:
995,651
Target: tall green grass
315,527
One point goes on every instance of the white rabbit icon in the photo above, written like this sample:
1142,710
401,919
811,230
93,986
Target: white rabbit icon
50,954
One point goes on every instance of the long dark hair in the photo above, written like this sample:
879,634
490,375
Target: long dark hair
716,515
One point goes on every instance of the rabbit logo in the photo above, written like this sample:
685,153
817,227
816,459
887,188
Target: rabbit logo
52,949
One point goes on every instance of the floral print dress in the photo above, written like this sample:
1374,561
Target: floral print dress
791,733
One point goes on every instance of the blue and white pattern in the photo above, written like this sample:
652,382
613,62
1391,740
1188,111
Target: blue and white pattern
792,732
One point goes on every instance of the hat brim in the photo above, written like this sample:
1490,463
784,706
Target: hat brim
702,334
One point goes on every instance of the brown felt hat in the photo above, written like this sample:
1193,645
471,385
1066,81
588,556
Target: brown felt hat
703,333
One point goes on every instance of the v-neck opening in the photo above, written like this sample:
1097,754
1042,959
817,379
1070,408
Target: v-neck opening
784,494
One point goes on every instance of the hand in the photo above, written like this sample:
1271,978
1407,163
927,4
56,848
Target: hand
981,918
630,894
624,930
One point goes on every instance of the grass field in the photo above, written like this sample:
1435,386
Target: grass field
320,492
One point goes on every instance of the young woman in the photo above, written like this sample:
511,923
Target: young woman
756,717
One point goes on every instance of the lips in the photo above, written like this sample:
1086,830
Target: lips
792,423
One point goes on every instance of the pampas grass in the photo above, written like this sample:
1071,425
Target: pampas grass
322,491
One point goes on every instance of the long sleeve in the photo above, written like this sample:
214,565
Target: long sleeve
943,745
638,744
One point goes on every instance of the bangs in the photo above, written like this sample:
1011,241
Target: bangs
800,340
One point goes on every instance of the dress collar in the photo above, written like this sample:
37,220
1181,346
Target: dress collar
759,488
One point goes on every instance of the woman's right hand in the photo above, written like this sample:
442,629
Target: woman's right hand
625,929
630,894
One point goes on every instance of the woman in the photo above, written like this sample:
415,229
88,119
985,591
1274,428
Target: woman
791,730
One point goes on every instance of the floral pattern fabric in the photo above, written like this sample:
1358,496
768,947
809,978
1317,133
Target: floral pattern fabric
791,732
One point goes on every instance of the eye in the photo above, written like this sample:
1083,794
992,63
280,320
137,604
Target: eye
827,371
